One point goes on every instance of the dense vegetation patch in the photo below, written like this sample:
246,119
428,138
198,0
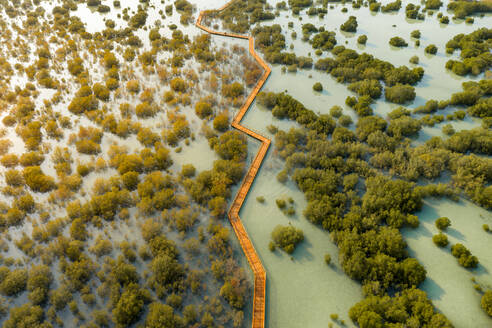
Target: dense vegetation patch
105,228
462,8
333,173
240,15
287,237
475,52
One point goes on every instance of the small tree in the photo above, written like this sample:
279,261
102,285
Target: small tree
350,25
26,315
442,223
203,109
440,240
397,41
431,49
287,237
362,39
38,283
130,305
110,60
318,87
162,315
221,122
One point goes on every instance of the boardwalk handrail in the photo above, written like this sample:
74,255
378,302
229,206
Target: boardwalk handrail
258,320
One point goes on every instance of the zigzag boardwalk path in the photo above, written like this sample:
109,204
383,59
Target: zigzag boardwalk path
258,320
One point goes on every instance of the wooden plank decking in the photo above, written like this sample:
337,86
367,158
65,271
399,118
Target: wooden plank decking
258,320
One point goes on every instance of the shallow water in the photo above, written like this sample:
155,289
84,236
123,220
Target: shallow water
197,153
449,285
302,290
438,83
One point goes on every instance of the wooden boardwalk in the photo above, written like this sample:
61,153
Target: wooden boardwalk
258,320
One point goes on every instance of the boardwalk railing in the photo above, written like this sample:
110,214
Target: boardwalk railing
258,320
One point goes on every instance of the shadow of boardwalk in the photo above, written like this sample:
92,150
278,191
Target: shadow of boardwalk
258,320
